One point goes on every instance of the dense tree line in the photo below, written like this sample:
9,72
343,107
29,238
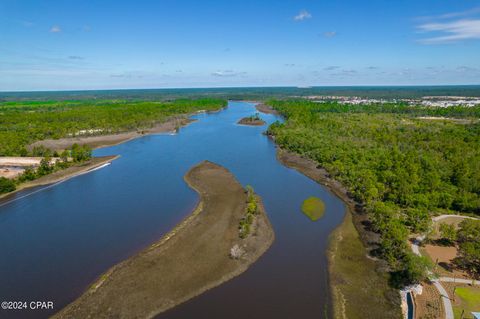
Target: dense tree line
24,122
401,167
250,212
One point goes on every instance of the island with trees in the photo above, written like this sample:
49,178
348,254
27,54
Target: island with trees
254,120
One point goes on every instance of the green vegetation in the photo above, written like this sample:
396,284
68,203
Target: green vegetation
250,212
77,154
469,246
295,107
254,118
314,208
448,233
469,300
24,122
6,185
400,167
358,289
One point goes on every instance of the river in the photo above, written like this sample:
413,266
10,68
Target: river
55,242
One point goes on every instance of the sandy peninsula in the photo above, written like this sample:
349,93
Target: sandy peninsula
98,141
191,259
64,174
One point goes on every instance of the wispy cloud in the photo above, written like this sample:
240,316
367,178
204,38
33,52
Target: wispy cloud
451,27
55,29
75,57
452,15
454,31
228,73
302,15
329,34
331,68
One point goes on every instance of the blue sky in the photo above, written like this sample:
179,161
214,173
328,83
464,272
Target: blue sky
71,44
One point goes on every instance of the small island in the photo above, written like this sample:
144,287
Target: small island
314,208
220,239
253,120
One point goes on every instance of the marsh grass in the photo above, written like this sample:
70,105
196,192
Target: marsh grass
314,208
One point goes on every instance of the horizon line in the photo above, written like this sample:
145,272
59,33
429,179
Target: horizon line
246,87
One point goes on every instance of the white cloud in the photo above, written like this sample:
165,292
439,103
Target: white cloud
452,15
55,29
302,15
451,27
227,73
330,34
453,31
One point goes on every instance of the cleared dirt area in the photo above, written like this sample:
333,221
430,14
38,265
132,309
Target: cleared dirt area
9,172
111,139
429,304
359,289
20,161
442,254
191,259
64,174
12,167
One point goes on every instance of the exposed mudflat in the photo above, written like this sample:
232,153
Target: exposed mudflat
266,109
98,141
189,260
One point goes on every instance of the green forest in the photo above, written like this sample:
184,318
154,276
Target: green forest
24,122
403,168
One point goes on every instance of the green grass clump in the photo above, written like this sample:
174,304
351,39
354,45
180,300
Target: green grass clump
470,300
314,208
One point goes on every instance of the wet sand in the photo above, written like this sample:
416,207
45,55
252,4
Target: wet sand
266,109
191,259
99,141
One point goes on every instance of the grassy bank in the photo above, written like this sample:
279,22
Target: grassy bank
191,259
359,289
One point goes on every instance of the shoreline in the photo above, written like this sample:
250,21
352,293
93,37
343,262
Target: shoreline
247,122
100,141
261,107
348,301
187,261
64,174
95,142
